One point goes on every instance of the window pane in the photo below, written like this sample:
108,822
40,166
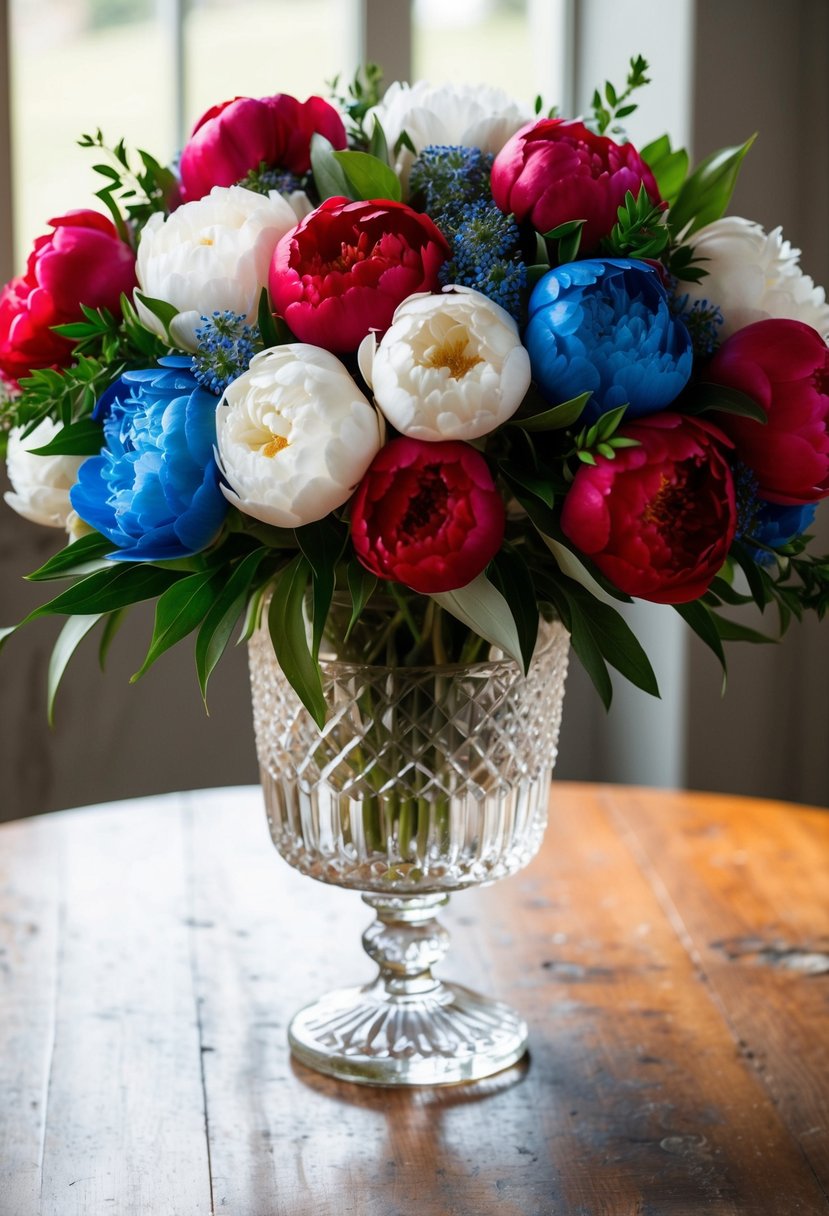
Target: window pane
257,47
76,67
474,41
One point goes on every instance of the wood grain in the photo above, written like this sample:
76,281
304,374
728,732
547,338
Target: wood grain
667,950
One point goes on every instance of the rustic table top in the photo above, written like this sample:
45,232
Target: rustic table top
669,950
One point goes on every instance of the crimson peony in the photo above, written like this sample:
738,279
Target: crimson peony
554,171
784,366
659,519
345,268
239,136
427,515
82,261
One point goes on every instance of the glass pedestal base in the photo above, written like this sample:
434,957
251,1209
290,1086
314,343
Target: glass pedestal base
438,1038
407,1028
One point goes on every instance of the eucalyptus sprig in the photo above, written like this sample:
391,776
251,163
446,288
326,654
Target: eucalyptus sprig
360,95
612,105
640,231
133,192
602,439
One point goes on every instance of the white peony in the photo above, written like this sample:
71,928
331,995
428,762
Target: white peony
471,116
753,275
211,255
294,435
450,366
40,484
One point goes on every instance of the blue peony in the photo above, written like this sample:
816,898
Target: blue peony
775,524
605,324
154,489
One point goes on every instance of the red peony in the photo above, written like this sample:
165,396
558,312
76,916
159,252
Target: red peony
555,171
784,366
238,136
427,515
345,268
659,519
84,261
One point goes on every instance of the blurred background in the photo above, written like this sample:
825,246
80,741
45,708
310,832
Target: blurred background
145,70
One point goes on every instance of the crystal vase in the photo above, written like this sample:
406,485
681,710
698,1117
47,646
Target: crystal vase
424,780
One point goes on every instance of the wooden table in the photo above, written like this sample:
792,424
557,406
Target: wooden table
669,950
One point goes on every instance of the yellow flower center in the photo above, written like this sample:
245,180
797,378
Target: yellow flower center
205,240
452,355
275,444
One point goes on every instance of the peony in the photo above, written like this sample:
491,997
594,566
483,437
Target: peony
243,135
345,268
294,436
210,256
427,515
154,490
83,261
450,366
784,366
605,324
753,275
658,520
471,116
553,171
40,484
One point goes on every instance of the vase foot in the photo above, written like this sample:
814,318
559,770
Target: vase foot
442,1037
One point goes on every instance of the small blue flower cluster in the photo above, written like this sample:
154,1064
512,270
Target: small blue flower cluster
702,320
453,184
271,177
445,177
226,346
746,486
484,245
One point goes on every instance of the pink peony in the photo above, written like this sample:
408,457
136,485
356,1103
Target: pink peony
554,171
84,261
784,366
345,268
659,519
427,515
238,136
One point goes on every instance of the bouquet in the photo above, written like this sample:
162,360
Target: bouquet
430,351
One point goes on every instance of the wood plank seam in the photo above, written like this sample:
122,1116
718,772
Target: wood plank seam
60,948
628,834
188,836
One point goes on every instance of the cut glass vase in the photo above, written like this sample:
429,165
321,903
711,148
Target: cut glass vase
424,780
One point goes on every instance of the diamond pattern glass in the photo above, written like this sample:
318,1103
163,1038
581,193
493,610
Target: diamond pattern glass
424,780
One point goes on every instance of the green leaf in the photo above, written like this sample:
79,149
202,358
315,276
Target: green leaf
588,652
614,638
164,312
220,620
322,543
69,638
83,438
286,623
378,146
510,574
532,483
329,175
705,195
482,607
81,557
179,610
719,398
701,619
253,614
565,229
574,569
266,322
669,167
733,631
361,585
557,417
119,585
368,176
112,624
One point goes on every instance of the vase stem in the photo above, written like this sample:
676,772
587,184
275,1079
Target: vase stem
406,941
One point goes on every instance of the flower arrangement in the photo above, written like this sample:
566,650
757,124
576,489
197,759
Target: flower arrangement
481,364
